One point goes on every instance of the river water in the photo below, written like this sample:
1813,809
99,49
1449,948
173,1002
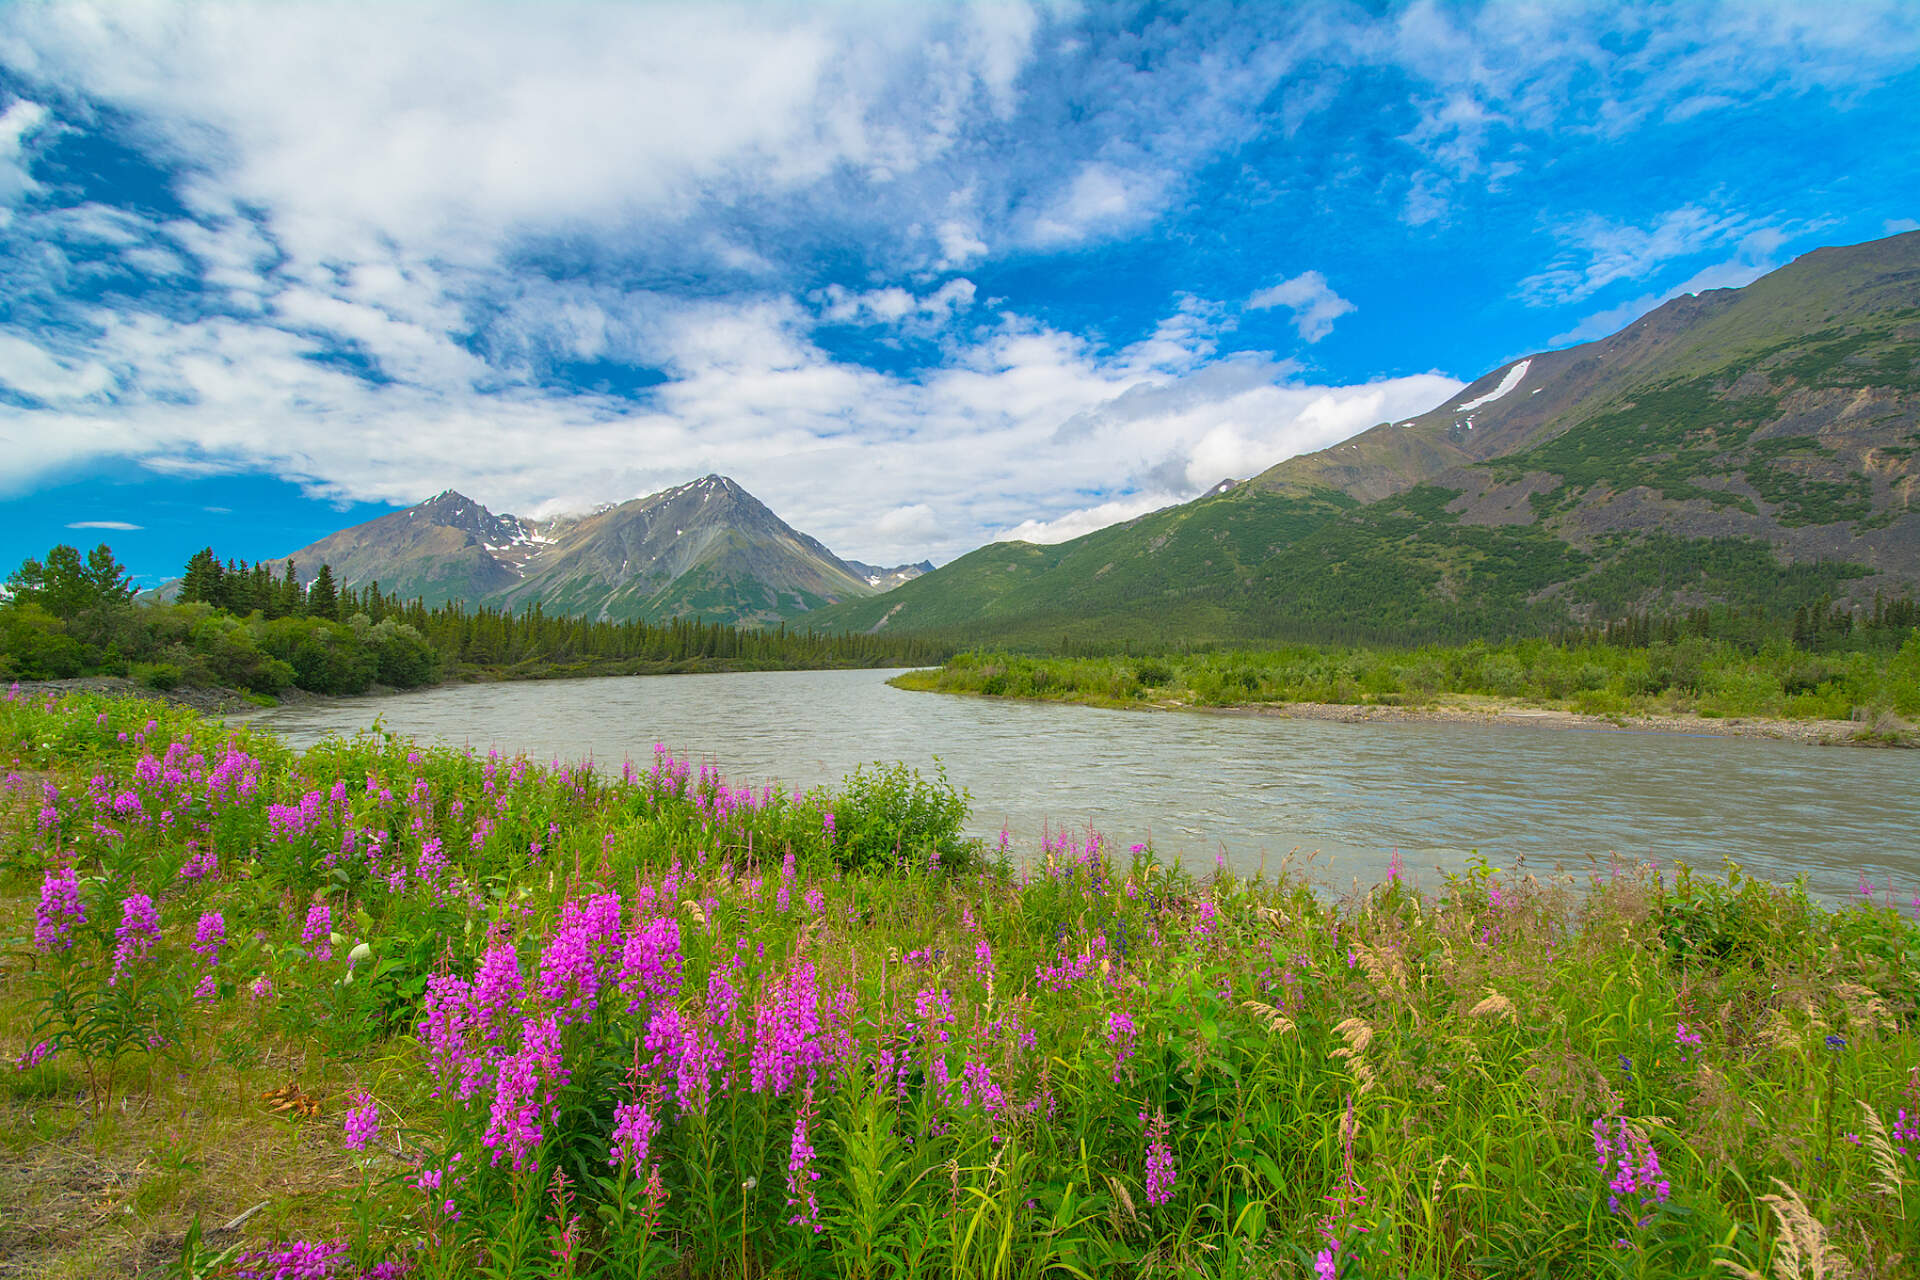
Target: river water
1339,799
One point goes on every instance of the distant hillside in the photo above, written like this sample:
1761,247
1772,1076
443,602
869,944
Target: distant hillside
706,549
1749,446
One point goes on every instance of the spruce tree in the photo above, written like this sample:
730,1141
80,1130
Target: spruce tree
322,599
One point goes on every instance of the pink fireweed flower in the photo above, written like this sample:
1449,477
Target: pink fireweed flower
524,1092
788,1039
316,934
1635,1166
801,1174
293,1260
208,937
651,964
1687,1039
60,909
1160,1170
634,1126
139,930
362,1122
33,1057
1121,1034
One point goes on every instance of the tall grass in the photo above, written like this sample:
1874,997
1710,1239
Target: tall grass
646,1024
1692,677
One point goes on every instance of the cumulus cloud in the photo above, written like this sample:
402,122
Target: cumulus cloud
1314,304
384,255
1085,520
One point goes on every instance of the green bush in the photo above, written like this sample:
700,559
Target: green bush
889,814
157,675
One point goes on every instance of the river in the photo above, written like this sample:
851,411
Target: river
1339,799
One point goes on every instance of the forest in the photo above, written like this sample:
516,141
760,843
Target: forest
249,627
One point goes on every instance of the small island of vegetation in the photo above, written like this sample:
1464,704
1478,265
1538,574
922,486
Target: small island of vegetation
1820,664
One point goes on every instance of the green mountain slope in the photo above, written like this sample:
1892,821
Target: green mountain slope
1752,447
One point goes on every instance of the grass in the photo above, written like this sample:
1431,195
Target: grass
829,1038
1691,677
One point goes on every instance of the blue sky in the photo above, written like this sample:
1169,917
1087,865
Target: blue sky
918,275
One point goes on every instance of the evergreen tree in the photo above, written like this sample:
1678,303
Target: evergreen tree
201,582
322,601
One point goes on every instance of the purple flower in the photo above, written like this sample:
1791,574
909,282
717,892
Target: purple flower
139,930
60,909
801,1174
208,936
1160,1169
316,934
1635,1165
293,1260
634,1126
363,1121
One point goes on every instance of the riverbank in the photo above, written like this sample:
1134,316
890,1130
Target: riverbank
1891,732
1704,688
411,988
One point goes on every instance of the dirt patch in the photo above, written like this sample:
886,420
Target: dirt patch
1824,733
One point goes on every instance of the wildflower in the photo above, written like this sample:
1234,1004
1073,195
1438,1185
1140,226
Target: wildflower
1326,1263
634,1126
139,930
1836,1043
316,934
800,1172
293,1260
1160,1169
1121,1034
35,1056
60,909
208,936
1635,1165
363,1121
1688,1040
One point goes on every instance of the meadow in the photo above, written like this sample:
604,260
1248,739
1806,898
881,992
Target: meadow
377,1010
1690,676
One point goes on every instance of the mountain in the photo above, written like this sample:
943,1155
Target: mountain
1749,446
887,579
706,549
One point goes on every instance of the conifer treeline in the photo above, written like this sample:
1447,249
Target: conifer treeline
489,636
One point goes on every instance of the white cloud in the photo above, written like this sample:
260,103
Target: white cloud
1601,252
1732,274
1085,520
914,523
1898,226
20,119
120,525
1314,304
894,305
33,372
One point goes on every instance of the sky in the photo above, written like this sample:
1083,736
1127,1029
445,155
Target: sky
918,275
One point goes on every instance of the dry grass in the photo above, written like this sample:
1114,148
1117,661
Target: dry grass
87,1196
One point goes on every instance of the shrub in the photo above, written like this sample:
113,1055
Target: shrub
889,814
157,675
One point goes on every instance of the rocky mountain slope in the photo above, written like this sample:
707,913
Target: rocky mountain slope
706,549
1750,446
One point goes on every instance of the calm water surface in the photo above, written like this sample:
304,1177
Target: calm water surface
1253,790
